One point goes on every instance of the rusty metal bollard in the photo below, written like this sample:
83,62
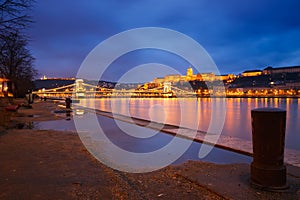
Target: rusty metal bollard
68,103
268,136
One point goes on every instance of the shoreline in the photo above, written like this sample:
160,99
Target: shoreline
233,144
48,164
207,97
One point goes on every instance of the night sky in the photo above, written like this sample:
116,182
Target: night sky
238,35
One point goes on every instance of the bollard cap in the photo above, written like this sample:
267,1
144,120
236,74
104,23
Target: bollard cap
268,110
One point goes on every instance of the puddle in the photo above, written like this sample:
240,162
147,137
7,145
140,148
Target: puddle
26,125
80,111
34,116
126,142
69,112
58,125
62,111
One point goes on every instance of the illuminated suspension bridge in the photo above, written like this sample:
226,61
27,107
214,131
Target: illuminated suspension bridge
80,89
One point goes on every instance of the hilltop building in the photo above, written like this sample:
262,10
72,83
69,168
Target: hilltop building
252,73
174,78
54,78
271,70
189,72
158,80
190,76
52,82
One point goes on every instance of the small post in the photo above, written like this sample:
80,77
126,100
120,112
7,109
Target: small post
268,136
68,103
68,115
29,97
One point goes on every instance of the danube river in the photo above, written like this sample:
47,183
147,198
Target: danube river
234,114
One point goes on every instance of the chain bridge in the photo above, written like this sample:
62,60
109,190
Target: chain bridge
80,89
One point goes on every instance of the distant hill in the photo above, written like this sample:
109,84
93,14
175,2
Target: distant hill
54,83
51,83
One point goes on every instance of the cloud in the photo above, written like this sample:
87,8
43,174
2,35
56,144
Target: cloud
238,34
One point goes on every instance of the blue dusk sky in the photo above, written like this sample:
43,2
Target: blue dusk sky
237,34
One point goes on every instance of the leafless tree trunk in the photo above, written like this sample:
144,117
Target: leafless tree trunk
16,61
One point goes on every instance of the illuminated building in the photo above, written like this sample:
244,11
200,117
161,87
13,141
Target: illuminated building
199,77
173,78
190,76
226,77
159,80
46,78
189,72
252,73
271,70
52,82
4,87
208,76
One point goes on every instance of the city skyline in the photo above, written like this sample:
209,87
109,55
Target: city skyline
270,82
256,71
237,35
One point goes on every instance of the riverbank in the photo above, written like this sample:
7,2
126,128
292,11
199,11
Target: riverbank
48,164
234,144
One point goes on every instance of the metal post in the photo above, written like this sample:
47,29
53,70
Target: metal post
68,115
68,103
268,134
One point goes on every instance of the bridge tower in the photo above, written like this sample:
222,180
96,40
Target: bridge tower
167,87
79,88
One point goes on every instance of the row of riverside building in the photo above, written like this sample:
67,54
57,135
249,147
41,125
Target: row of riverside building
190,76
269,81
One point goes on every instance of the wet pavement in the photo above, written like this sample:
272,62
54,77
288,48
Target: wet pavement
226,150
143,145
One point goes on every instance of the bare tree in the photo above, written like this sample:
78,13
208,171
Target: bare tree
14,15
16,62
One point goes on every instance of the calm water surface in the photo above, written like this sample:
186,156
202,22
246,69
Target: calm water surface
198,113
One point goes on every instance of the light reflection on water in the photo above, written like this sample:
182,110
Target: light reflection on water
188,112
